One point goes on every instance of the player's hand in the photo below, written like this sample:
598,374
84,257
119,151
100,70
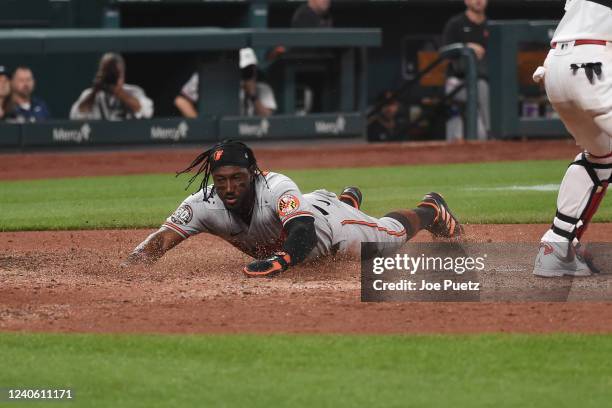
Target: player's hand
118,88
131,261
478,50
268,267
135,259
98,83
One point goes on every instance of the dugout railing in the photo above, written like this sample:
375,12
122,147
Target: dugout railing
470,84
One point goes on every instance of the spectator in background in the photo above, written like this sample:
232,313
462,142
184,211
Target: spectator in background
314,14
5,92
382,127
24,107
256,98
110,98
470,28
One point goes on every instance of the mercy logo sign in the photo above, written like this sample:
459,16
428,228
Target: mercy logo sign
170,133
260,129
72,135
332,128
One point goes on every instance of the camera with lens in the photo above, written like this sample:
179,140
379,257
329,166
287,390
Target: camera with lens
110,77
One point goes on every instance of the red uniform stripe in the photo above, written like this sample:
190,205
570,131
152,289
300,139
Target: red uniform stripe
374,225
177,229
584,42
297,214
607,156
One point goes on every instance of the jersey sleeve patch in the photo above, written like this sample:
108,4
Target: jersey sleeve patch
287,204
183,215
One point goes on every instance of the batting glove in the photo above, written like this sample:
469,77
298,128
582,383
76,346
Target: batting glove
268,267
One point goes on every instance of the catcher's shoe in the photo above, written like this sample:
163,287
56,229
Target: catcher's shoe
556,259
351,196
445,224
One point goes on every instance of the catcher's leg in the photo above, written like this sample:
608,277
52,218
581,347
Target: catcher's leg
582,190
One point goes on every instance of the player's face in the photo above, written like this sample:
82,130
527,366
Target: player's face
233,185
477,6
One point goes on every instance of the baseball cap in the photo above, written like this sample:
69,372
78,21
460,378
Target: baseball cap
4,71
247,57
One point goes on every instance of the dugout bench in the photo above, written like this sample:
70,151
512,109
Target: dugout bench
515,50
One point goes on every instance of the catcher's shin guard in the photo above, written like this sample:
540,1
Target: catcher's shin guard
582,190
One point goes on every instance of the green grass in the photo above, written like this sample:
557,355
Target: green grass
330,371
476,192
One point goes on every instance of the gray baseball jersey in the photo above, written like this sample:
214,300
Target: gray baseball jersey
340,228
108,107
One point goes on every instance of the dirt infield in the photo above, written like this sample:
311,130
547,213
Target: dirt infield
70,281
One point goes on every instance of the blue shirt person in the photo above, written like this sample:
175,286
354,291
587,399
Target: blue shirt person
25,107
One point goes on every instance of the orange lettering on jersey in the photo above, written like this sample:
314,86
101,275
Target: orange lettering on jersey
287,204
218,154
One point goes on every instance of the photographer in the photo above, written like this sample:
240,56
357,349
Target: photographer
256,98
110,98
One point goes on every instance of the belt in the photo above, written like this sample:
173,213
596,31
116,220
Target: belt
583,42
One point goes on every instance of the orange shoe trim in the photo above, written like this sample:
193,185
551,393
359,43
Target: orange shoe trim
176,229
276,267
351,198
435,207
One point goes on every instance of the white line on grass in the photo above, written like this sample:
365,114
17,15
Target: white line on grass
539,187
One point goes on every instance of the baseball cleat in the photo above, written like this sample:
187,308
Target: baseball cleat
445,224
556,259
351,196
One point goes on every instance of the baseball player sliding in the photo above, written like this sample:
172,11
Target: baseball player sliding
265,215
578,78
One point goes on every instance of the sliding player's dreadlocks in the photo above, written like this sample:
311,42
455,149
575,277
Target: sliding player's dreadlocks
226,153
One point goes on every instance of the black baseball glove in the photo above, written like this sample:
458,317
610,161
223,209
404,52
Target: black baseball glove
268,267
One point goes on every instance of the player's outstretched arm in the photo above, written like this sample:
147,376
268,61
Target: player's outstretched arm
153,248
301,240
